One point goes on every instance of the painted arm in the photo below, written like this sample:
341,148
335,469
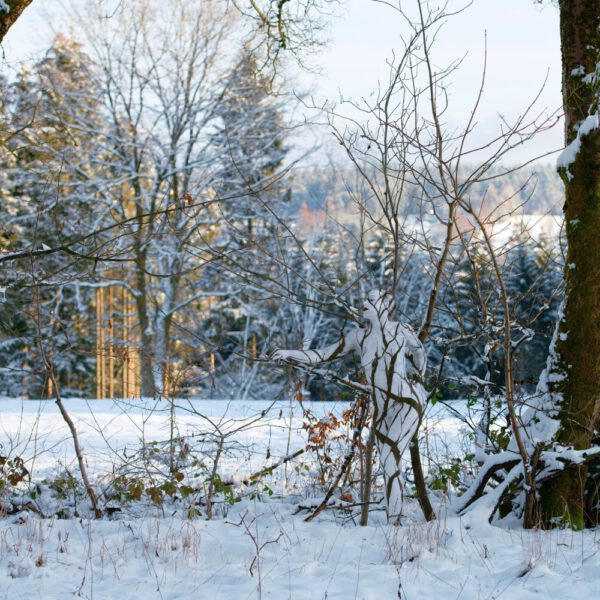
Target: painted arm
312,357
416,357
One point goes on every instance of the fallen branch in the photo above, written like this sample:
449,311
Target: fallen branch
493,464
252,479
549,464
268,470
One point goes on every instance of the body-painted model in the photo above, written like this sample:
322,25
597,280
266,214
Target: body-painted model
394,362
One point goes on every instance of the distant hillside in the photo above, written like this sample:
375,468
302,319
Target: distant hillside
536,190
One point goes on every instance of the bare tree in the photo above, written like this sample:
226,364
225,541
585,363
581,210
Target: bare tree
286,27
151,171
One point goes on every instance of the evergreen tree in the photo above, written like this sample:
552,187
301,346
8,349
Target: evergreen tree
46,208
533,287
250,143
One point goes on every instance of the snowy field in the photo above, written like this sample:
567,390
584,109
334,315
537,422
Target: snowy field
259,547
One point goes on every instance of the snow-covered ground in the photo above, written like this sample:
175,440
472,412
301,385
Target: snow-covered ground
259,547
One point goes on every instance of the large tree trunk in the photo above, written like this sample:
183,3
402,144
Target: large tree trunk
578,346
162,346
146,371
141,301
7,19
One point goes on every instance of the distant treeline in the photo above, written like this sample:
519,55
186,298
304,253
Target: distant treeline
536,189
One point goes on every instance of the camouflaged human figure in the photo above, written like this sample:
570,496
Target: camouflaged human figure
394,362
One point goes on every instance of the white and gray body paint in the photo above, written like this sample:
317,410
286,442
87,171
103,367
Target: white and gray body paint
394,362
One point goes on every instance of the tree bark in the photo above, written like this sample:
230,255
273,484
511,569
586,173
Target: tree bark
420,485
148,388
367,479
141,302
577,379
7,19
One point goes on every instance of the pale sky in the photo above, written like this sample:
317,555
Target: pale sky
522,41
523,48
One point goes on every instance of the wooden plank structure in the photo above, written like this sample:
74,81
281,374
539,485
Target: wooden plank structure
117,344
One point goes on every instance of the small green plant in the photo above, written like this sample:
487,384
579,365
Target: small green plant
127,489
450,478
65,485
220,487
258,494
500,437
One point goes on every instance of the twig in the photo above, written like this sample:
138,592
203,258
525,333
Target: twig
268,470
